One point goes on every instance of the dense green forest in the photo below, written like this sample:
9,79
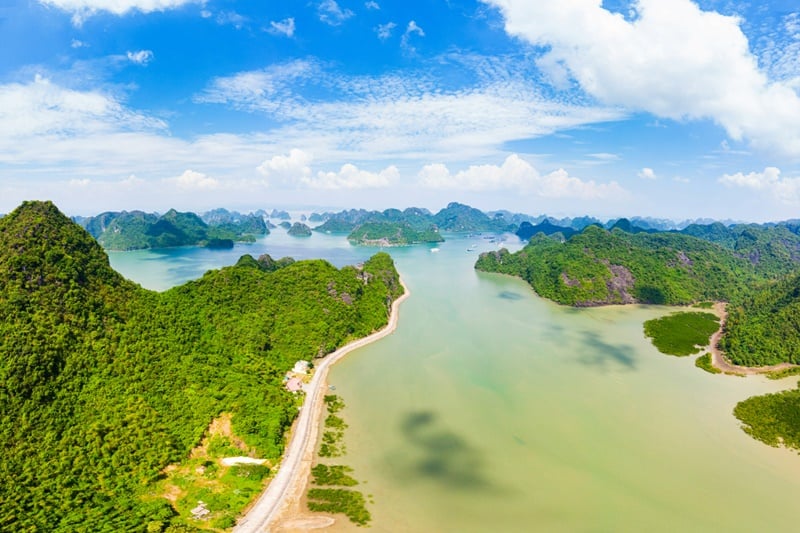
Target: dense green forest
597,267
103,384
763,327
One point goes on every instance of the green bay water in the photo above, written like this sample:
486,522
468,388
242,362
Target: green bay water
490,409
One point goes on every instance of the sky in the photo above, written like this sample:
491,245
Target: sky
664,108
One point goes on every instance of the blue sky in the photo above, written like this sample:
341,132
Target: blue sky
668,108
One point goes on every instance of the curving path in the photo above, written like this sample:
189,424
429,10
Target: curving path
718,358
289,479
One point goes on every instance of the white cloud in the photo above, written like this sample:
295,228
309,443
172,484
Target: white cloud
192,180
80,183
516,174
283,27
266,88
671,59
768,179
384,31
83,9
231,18
647,174
78,44
604,157
399,117
140,57
331,13
411,30
372,5
287,169
351,177
294,170
42,108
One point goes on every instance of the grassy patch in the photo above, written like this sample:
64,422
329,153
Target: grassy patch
681,333
225,491
773,419
333,435
349,502
704,305
336,500
704,362
785,373
333,475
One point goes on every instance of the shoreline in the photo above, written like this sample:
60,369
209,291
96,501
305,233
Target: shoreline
718,359
281,498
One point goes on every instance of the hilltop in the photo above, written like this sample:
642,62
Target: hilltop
104,384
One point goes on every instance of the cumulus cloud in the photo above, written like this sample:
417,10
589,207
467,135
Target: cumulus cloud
83,9
287,169
384,31
411,30
671,59
647,174
351,177
332,14
770,178
518,175
754,180
192,180
283,27
294,169
372,5
140,57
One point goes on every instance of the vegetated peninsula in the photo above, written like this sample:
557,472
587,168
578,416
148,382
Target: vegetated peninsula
104,384
136,230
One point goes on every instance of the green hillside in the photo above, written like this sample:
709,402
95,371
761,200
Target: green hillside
763,327
103,384
598,267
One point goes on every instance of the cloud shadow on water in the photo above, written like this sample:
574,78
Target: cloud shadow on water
509,295
605,356
438,454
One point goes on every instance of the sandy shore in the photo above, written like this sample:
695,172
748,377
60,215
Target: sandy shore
718,358
279,506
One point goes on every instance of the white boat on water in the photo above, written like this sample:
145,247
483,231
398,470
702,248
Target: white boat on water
434,250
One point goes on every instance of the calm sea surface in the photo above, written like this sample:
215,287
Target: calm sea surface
490,409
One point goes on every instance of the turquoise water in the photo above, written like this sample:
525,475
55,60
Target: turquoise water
490,409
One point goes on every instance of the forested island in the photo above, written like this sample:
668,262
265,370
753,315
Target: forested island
136,230
104,385
413,225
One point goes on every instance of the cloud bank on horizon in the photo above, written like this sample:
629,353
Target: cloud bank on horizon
570,106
